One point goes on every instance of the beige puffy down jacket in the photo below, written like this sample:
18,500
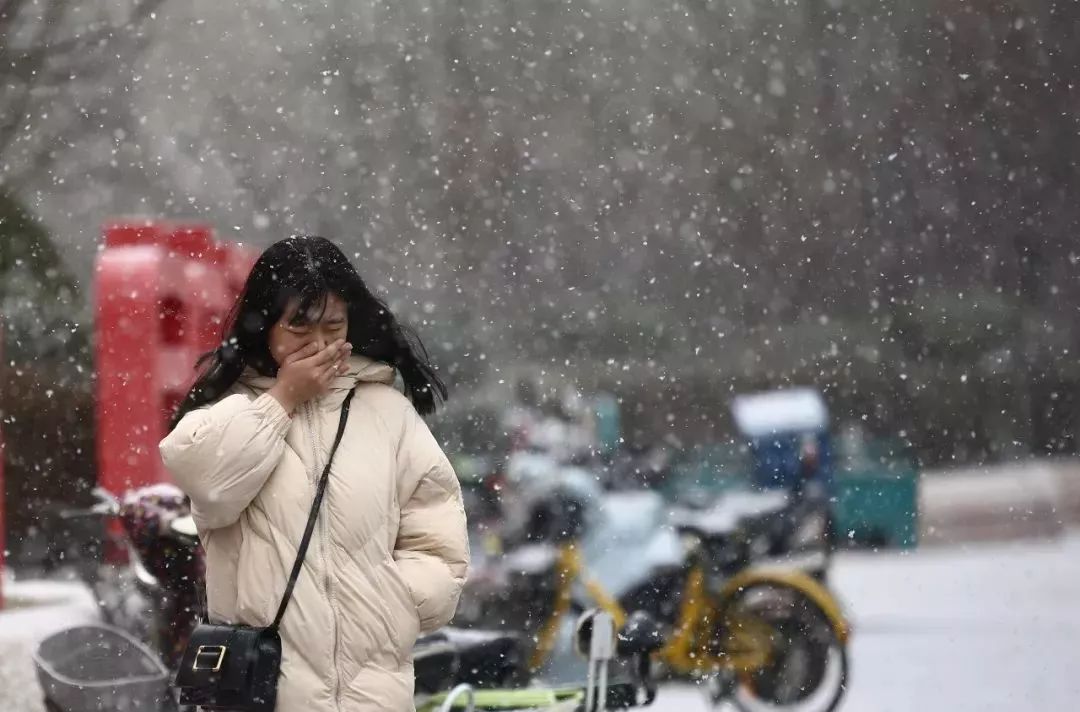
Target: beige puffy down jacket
389,554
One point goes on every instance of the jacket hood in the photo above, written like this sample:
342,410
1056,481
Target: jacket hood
361,370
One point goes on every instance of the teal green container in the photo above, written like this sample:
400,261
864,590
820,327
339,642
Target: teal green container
608,425
877,506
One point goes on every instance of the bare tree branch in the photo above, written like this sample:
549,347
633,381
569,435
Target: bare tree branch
47,61
24,74
94,35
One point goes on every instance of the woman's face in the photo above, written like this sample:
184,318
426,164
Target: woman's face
320,326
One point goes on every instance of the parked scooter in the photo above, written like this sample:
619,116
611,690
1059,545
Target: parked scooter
783,529
145,582
786,530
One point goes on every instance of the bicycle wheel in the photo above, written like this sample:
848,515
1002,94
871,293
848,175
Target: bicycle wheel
807,666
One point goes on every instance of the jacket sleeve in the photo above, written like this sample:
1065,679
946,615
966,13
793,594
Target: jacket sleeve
222,455
432,550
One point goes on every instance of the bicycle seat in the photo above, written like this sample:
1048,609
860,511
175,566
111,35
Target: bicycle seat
711,524
531,559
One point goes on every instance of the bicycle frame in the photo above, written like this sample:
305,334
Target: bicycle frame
690,651
746,645
571,567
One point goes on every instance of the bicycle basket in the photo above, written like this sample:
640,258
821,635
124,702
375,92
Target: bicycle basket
98,668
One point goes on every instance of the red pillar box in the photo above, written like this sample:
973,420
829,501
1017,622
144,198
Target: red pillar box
239,259
159,292
197,298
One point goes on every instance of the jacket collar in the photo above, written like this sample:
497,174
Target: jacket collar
361,370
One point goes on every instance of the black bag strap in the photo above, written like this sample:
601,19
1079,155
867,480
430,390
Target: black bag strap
319,492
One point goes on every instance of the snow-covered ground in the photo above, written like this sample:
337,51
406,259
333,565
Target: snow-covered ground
34,610
981,628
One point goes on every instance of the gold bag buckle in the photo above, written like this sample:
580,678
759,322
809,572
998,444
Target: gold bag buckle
209,650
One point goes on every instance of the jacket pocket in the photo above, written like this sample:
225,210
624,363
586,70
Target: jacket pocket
406,626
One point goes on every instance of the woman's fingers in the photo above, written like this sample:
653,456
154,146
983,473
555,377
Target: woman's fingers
301,354
328,355
341,363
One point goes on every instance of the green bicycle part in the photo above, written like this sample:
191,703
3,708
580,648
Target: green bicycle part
511,699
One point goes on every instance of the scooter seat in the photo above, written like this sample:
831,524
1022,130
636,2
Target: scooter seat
482,658
489,658
466,639
435,663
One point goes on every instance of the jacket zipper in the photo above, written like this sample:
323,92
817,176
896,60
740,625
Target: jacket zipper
317,448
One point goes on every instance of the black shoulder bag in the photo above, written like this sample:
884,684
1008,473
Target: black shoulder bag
236,667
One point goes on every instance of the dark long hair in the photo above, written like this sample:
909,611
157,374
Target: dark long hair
310,268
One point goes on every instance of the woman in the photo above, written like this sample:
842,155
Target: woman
250,441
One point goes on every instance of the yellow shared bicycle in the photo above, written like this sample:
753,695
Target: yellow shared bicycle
760,638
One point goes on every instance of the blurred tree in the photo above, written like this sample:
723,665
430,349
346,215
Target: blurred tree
49,49
26,248
46,388
39,301
756,193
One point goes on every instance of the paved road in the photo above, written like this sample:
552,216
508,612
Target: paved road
983,628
